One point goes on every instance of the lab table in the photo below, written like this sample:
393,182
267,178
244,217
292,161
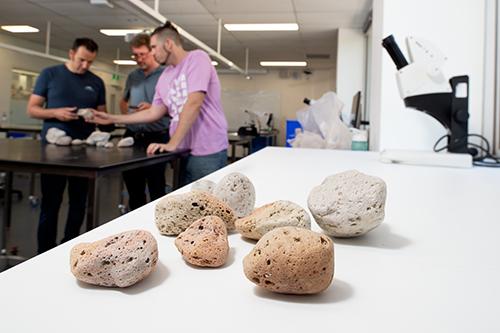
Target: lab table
432,265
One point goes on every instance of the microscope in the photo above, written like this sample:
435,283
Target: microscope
423,86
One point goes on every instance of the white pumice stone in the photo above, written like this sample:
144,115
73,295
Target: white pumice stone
175,213
77,142
291,260
204,185
85,113
63,140
204,243
98,136
120,260
238,192
109,144
53,134
274,215
100,144
126,142
348,204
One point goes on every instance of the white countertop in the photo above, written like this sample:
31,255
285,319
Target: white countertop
432,266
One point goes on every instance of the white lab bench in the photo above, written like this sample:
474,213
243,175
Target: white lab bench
432,266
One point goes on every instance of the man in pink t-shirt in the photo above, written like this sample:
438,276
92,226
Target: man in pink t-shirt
189,90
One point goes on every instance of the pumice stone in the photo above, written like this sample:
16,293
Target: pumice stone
63,140
116,261
77,142
85,113
97,136
291,260
204,243
174,213
204,185
348,204
126,142
53,134
274,215
238,192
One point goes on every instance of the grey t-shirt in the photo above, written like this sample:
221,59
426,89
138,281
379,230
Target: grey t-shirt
141,88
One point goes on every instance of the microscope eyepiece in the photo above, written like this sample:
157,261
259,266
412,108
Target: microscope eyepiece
391,46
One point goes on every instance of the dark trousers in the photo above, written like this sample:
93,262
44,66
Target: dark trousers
52,193
153,175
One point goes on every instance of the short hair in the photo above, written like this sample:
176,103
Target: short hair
141,39
88,43
168,30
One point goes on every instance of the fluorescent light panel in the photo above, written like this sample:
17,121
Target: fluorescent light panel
262,27
19,28
124,62
283,63
119,32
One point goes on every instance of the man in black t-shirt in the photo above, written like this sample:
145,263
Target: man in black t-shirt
59,92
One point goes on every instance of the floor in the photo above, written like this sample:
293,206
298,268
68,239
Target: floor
24,221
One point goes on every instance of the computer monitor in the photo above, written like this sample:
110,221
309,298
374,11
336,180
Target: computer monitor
356,110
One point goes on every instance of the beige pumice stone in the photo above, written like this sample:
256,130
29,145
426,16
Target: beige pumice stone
53,134
204,185
204,243
274,215
348,204
291,260
77,142
238,192
174,213
126,142
116,261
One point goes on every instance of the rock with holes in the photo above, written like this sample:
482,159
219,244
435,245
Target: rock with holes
204,243
77,142
274,215
85,113
348,204
204,185
174,213
97,136
64,140
238,192
116,261
291,260
126,142
53,134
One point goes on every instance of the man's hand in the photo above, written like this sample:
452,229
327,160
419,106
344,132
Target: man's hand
160,147
143,106
100,118
65,114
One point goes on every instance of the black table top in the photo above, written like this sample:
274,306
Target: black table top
90,158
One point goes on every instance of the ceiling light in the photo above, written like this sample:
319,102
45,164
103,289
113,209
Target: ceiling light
119,32
262,27
19,28
283,63
214,63
124,62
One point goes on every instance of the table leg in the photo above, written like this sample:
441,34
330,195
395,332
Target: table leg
176,166
233,152
7,210
93,203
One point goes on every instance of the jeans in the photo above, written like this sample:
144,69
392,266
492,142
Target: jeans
154,175
196,167
52,194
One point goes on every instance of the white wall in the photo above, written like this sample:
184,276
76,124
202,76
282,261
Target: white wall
351,55
456,27
291,91
12,59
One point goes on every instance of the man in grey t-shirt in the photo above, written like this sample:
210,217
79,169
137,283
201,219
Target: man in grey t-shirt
138,95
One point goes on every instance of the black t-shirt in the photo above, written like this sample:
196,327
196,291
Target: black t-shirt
62,88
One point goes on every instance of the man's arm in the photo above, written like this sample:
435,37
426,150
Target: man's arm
124,106
35,110
187,117
148,116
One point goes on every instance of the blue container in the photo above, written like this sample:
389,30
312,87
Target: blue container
291,126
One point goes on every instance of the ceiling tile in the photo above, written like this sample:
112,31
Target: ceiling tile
245,6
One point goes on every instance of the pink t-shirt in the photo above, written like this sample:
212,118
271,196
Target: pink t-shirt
208,135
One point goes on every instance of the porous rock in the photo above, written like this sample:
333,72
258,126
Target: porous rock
238,192
98,136
63,140
85,113
120,260
53,134
291,260
126,142
348,204
109,144
274,215
204,185
174,213
204,243
77,142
